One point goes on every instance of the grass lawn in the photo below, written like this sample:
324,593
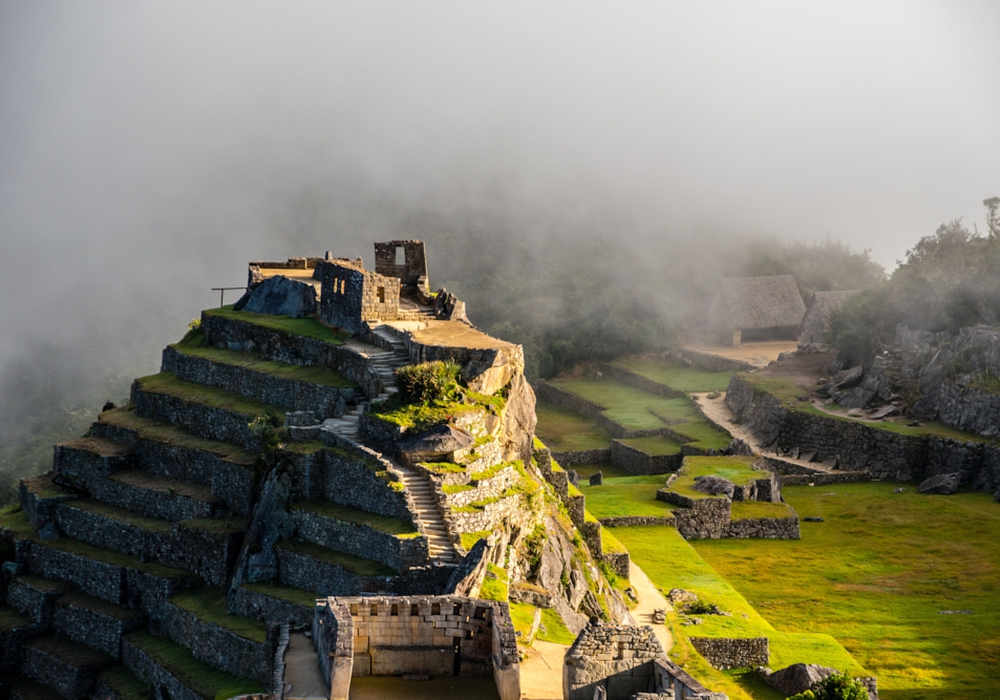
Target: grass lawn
168,384
208,603
156,431
702,434
553,629
124,685
626,495
752,510
654,445
194,344
566,431
628,406
306,327
347,562
676,376
607,470
876,575
671,562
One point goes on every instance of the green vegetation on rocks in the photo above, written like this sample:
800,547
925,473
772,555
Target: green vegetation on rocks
305,327
169,385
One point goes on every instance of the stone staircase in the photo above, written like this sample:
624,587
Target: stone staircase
429,514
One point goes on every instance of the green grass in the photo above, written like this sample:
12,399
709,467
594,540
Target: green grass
566,431
201,678
626,495
752,510
875,575
70,652
12,620
161,527
208,603
786,391
284,592
469,539
495,588
671,562
194,344
169,385
347,562
736,469
627,405
149,429
124,685
79,599
655,445
219,527
702,434
523,616
348,514
305,327
679,377
553,629
418,417
15,521
607,470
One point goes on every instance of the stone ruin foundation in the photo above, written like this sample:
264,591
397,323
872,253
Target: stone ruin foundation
415,635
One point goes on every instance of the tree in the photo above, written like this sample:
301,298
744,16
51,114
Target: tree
992,217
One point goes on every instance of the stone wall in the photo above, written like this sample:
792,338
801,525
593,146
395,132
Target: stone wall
492,487
511,509
698,518
825,478
764,528
152,674
260,606
279,346
618,659
290,394
856,446
595,456
635,461
725,653
399,553
571,402
68,676
353,479
207,421
83,622
713,363
968,408
414,261
352,295
215,645
636,520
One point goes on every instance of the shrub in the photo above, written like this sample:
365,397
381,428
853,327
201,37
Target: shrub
427,383
839,686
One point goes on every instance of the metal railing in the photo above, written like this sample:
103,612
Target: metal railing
222,293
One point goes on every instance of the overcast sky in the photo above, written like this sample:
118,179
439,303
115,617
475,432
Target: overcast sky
147,151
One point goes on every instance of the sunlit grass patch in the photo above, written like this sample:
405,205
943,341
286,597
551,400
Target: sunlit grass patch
676,376
625,496
566,431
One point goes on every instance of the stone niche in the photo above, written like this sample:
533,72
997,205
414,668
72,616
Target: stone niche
399,635
618,659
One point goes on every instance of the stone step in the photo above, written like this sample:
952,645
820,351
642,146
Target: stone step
164,499
66,667
93,622
34,596
310,566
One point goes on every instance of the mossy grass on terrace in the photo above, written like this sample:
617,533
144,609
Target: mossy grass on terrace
219,527
79,599
202,679
128,517
753,510
195,345
208,603
157,431
305,327
99,446
654,445
348,514
628,406
627,496
736,469
282,591
169,385
677,376
115,559
123,684
566,431
69,652
347,562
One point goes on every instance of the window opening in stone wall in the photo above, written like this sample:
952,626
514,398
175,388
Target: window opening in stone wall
414,611
354,610
435,608
457,610
381,295
394,612
374,610
343,285
400,255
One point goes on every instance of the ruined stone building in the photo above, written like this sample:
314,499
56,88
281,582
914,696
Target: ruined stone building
756,308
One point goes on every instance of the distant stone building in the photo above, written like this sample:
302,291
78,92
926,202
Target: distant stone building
816,322
756,308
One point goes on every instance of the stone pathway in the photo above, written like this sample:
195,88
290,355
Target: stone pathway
429,514
541,671
650,599
302,677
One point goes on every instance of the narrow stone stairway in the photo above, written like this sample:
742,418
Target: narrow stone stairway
429,514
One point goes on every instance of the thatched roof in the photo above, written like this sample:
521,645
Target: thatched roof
816,322
757,303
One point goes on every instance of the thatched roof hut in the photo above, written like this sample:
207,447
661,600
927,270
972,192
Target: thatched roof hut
816,322
768,306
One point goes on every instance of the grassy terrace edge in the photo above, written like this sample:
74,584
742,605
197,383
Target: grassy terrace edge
167,384
304,327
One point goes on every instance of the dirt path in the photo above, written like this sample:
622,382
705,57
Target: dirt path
755,354
718,412
541,671
302,676
650,598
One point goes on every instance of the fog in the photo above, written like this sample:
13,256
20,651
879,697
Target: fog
148,151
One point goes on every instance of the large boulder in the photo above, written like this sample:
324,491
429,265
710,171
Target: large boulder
943,484
714,485
437,443
281,296
797,678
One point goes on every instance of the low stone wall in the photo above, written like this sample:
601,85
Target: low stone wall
35,601
311,574
39,497
594,456
380,434
277,345
640,382
726,653
825,478
207,421
636,461
97,629
11,642
618,561
713,363
487,488
74,460
260,606
636,520
99,579
216,645
162,504
699,519
290,394
857,446
152,674
353,480
510,509
572,402
206,554
399,553
70,678
764,528
968,408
